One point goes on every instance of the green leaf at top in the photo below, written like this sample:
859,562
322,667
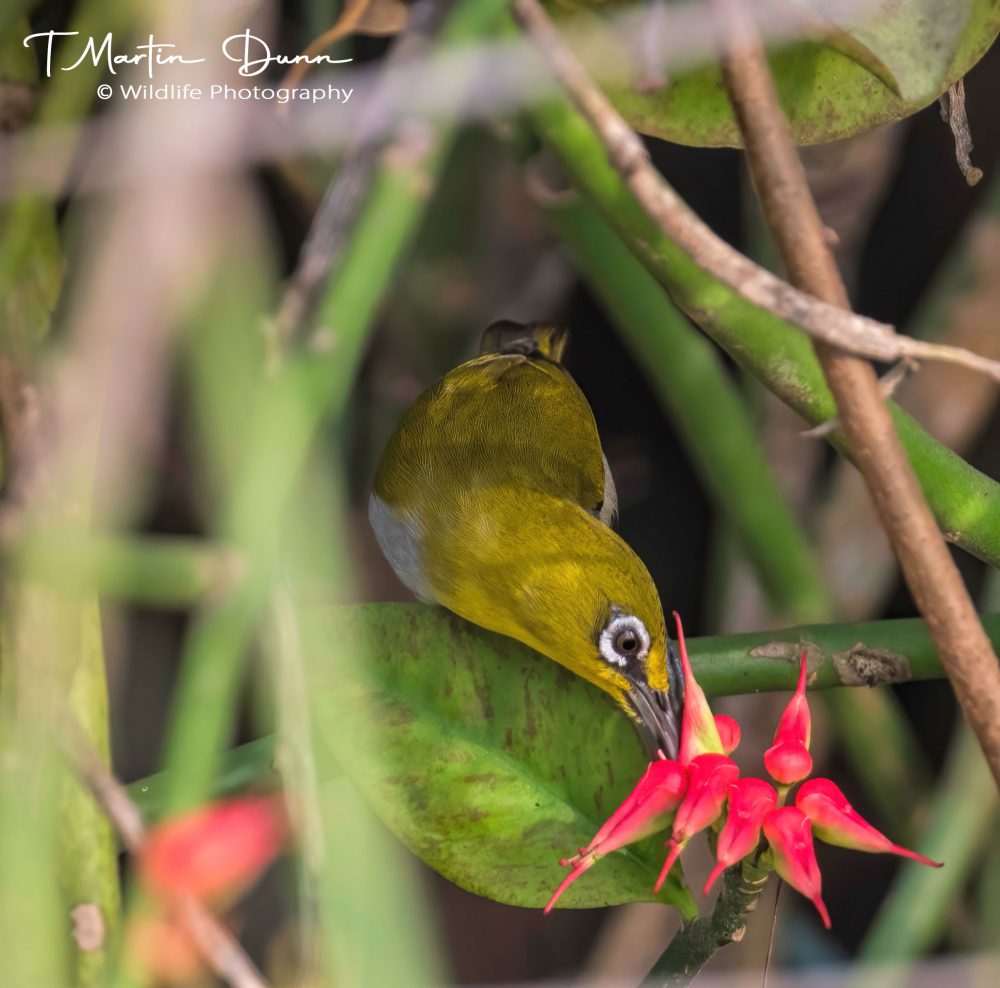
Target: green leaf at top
860,77
909,44
489,761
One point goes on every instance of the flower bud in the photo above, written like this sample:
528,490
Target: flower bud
709,776
835,821
748,802
699,734
788,759
729,733
647,809
789,833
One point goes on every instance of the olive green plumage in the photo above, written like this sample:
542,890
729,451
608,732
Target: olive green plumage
489,500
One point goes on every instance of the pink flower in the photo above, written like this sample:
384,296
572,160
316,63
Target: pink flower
729,733
214,852
749,800
709,776
644,811
789,833
699,734
835,821
788,759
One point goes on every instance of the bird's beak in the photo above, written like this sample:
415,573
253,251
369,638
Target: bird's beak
658,713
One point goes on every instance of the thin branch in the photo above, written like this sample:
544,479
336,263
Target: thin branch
930,572
214,942
827,323
338,211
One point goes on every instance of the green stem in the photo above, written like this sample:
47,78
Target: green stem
724,666
965,502
162,571
963,814
57,645
703,402
310,387
839,655
693,946
716,427
240,768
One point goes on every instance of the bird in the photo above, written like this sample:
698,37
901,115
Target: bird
493,498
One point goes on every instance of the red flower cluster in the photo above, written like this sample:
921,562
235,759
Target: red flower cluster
703,789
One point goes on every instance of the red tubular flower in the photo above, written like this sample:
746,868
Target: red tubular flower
645,810
789,833
699,734
749,801
835,821
214,852
788,759
709,776
729,733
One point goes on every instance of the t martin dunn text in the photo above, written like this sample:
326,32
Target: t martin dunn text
251,53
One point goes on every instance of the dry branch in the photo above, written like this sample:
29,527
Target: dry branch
337,213
824,322
930,572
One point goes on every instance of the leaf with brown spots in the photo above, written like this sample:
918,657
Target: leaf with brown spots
493,781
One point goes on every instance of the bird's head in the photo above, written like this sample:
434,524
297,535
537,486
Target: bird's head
597,612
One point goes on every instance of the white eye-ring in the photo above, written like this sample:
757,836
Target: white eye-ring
623,640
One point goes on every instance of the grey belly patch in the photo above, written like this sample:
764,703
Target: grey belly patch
609,510
400,544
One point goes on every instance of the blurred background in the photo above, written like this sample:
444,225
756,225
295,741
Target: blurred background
175,266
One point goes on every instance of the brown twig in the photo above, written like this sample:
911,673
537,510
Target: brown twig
214,942
952,103
823,321
930,572
337,212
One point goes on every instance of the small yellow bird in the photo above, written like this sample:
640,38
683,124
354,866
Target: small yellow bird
494,499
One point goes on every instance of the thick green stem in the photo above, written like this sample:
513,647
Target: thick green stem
839,654
154,571
965,502
54,641
692,948
860,654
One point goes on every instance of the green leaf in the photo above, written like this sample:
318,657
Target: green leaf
488,760
909,44
858,78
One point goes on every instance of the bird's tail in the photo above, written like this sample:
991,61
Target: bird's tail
530,339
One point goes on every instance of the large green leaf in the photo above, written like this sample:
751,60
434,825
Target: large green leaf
899,60
489,761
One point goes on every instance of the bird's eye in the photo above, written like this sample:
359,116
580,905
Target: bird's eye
623,640
626,642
